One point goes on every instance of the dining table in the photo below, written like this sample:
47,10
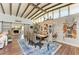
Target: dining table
41,36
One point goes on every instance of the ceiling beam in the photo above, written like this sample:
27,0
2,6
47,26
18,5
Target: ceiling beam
38,7
47,9
2,8
53,6
18,9
25,10
38,10
10,8
34,13
46,5
55,9
31,11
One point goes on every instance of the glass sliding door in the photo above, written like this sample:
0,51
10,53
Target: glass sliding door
6,26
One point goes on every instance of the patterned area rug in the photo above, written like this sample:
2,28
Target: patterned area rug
30,50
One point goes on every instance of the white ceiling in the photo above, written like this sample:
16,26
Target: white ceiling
27,10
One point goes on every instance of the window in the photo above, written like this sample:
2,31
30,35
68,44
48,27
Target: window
6,26
35,21
38,19
50,15
45,16
74,9
56,14
41,19
64,11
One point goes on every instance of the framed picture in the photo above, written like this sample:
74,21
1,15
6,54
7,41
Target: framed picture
70,31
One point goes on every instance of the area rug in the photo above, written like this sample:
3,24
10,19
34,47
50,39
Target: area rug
29,50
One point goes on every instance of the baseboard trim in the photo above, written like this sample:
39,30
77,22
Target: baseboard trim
68,43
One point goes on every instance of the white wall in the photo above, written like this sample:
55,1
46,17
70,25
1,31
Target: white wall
8,18
59,29
0,26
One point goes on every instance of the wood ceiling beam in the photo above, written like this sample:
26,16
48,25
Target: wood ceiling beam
53,6
55,9
25,10
47,9
2,8
31,10
34,13
38,10
46,5
18,9
38,7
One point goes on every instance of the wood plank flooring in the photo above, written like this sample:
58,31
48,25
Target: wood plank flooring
68,50
12,49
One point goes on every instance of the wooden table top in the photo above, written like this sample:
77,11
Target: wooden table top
40,35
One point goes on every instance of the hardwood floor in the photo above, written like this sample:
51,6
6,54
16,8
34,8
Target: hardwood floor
67,50
12,49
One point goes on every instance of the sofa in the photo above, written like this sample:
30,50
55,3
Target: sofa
3,39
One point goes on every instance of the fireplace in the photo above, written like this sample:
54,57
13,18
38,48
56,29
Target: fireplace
16,31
